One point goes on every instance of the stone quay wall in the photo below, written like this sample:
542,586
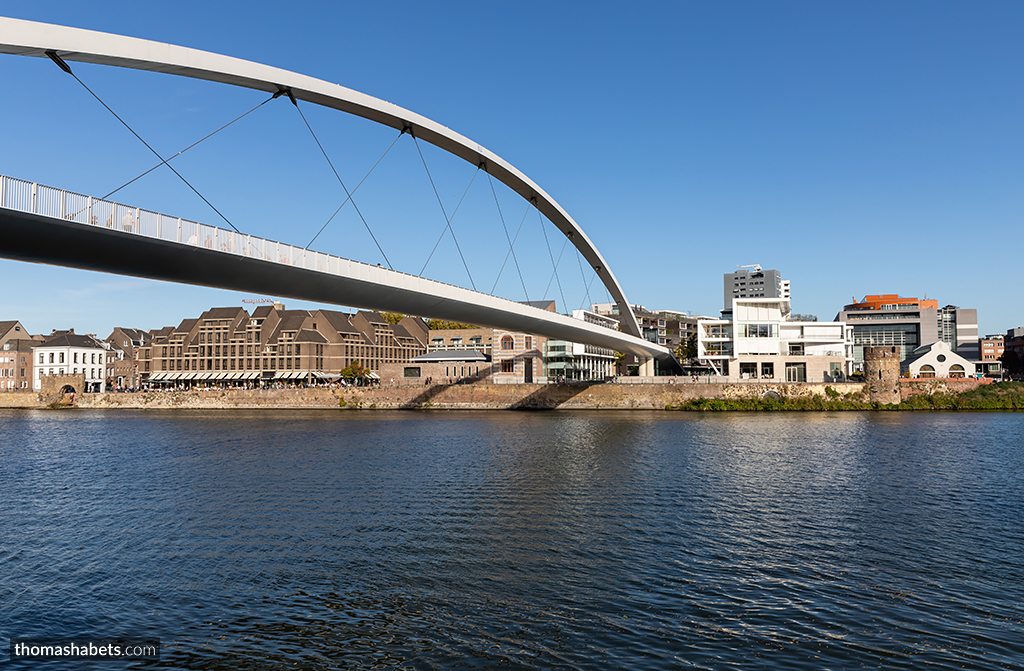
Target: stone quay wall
455,396
939,385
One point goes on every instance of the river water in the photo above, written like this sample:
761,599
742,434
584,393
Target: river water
568,540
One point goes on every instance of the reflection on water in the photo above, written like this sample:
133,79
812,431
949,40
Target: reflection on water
551,540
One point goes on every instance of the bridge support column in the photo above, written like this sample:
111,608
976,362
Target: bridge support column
646,368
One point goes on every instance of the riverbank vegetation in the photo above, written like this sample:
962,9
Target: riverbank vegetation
998,396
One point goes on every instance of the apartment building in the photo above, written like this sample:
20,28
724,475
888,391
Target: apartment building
16,364
228,346
991,349
756,340
571,361
125,367
753,282
68,353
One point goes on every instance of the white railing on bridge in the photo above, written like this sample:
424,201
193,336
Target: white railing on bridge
24,196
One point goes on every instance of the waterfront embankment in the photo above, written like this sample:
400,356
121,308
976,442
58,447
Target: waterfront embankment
952,394
444,396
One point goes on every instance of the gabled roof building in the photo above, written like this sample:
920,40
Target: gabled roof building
230,347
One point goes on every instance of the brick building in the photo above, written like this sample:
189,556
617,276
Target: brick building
230,347
124,370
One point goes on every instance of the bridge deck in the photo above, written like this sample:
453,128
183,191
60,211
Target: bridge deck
43,224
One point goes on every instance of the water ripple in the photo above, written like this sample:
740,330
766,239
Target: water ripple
325,540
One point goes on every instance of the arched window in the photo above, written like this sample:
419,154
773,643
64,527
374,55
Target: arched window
507,342
927,371
956,370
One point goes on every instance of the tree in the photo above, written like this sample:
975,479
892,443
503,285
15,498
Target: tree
442,325
392,317
687,350
1011,362
353,371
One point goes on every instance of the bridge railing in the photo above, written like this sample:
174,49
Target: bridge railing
19,194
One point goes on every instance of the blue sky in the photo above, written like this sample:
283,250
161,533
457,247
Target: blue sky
858,147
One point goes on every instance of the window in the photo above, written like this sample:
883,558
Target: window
62,357
796,372
457,340
529,342
507,343
508,365
748,370
476,340
759,331
411,371
40,357
768,370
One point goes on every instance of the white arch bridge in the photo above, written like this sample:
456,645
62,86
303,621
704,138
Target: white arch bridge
47,225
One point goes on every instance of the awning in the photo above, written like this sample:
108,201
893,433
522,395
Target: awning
372,375
157,376
325,376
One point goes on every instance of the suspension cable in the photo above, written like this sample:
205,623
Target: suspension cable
543,229
443,230
448,221
588,290
66,68
340,181
171,158
348,198
554,272
511,241
584,276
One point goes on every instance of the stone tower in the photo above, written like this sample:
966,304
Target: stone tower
882,374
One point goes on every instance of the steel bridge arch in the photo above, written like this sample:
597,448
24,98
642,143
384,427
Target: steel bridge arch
31,38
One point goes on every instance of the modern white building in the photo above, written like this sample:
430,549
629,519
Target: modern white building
756,340
578,361
67,353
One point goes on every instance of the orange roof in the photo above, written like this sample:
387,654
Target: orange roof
876,301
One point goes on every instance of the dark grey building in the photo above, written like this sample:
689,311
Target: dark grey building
756,283
910,326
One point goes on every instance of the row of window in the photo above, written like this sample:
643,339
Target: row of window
509,343
88,372
74,356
